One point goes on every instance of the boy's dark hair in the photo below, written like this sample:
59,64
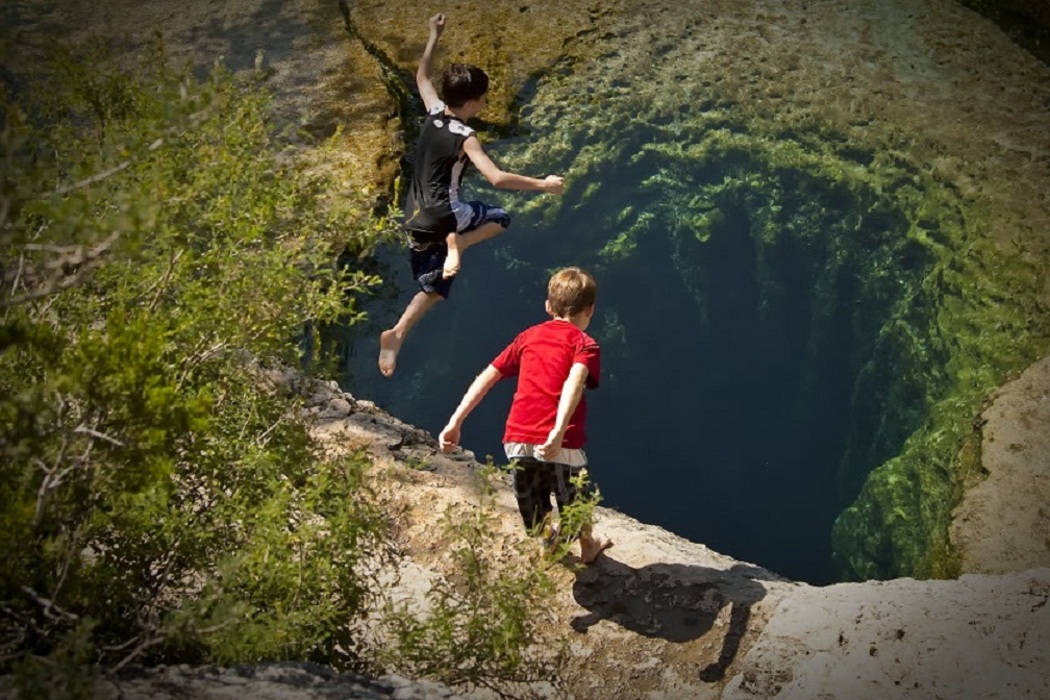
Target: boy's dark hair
461,82
570,291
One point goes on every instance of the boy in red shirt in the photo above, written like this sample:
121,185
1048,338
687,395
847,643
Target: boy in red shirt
544,437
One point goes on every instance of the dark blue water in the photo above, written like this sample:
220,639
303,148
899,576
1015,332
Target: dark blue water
725,424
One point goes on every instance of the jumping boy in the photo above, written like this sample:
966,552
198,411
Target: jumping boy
554,361
440,226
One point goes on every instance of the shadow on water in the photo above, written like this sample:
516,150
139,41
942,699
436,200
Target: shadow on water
674,602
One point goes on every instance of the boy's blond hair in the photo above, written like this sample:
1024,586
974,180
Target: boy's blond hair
570,291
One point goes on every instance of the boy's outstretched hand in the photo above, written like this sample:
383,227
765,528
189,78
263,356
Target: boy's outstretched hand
554,184
449,438
437,24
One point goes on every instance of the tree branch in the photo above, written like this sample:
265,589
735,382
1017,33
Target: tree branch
84,430
98,177
69,256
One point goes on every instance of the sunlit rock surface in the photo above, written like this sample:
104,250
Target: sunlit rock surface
995,528
661,617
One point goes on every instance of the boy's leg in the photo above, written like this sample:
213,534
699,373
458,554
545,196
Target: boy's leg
590,545
390,340
426,261
532,490
481,233
459,242
566,494
451,266
485,223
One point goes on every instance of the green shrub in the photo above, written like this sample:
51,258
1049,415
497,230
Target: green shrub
160,499
157,501
484,622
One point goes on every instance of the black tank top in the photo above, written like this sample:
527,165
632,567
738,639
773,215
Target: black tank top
436,175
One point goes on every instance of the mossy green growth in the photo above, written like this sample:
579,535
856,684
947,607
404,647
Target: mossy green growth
942,312
984,321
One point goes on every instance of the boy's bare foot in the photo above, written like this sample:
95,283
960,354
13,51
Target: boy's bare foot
451,266
591,547
389,344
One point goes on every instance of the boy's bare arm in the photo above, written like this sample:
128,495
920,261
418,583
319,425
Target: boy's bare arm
571,392
449,436
426,88
552,184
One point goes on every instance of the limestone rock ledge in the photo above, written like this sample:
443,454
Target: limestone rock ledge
287,681
975,637
662,617
659,617
1003,522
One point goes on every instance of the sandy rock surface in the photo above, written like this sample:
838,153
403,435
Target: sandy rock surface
661,617
284,681
657,616
977,637
1003,523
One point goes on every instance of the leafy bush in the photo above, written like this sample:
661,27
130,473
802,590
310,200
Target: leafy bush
484,622
161,499
157,499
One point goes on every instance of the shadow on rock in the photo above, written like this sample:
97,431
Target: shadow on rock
674,602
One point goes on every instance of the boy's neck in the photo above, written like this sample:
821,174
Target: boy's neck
462,113
580,320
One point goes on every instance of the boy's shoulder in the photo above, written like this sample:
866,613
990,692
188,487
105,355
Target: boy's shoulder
436,116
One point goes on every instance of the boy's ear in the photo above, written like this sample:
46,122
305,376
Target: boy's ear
547,307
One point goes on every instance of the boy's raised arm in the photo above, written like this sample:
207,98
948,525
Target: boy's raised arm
571,392
426,88
449,437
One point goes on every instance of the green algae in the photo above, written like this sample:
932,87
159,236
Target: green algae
942,312
939,312
984,318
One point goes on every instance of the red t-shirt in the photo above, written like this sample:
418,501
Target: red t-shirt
541,358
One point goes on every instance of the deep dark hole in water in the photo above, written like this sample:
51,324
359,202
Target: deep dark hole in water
1021,24
727,399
